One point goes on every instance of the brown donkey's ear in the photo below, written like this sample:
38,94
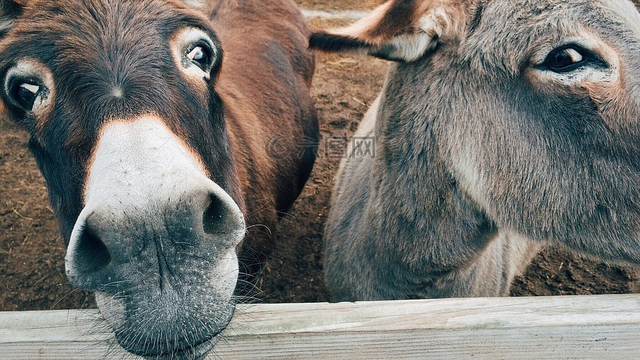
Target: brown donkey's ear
399,30
9,12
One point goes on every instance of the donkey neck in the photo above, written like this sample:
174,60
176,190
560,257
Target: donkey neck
426,209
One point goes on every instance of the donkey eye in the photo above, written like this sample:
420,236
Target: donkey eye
201,56
25,93
569,58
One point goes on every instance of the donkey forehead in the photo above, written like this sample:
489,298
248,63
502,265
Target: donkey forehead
500,30
89,33
523,15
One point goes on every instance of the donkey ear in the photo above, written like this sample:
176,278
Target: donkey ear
9,12
399,30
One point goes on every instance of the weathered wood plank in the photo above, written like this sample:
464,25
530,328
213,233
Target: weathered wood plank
571,327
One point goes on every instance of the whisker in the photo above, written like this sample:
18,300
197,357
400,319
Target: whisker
260,226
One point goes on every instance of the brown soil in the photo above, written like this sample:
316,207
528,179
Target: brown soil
32,254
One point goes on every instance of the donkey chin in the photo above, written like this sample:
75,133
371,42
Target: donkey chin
173,322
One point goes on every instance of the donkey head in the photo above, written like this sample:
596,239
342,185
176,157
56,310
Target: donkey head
119,98
532,108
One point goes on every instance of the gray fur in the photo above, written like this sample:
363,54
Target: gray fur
482,159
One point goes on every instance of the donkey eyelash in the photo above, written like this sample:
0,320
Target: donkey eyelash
587,58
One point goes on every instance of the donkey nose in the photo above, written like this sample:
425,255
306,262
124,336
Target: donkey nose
108,241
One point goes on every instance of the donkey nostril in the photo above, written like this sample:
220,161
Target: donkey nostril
215,217
92,254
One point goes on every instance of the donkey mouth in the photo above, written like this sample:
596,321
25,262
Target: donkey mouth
187,333
193,352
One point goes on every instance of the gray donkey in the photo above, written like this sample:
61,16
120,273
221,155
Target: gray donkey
503,126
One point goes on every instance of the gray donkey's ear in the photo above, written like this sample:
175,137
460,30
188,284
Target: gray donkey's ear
399,30
9,12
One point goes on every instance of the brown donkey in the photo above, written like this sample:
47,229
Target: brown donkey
150,121
503,126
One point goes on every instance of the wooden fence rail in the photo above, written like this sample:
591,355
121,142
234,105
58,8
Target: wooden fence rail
569,327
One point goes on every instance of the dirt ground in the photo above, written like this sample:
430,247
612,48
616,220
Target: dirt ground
32,255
